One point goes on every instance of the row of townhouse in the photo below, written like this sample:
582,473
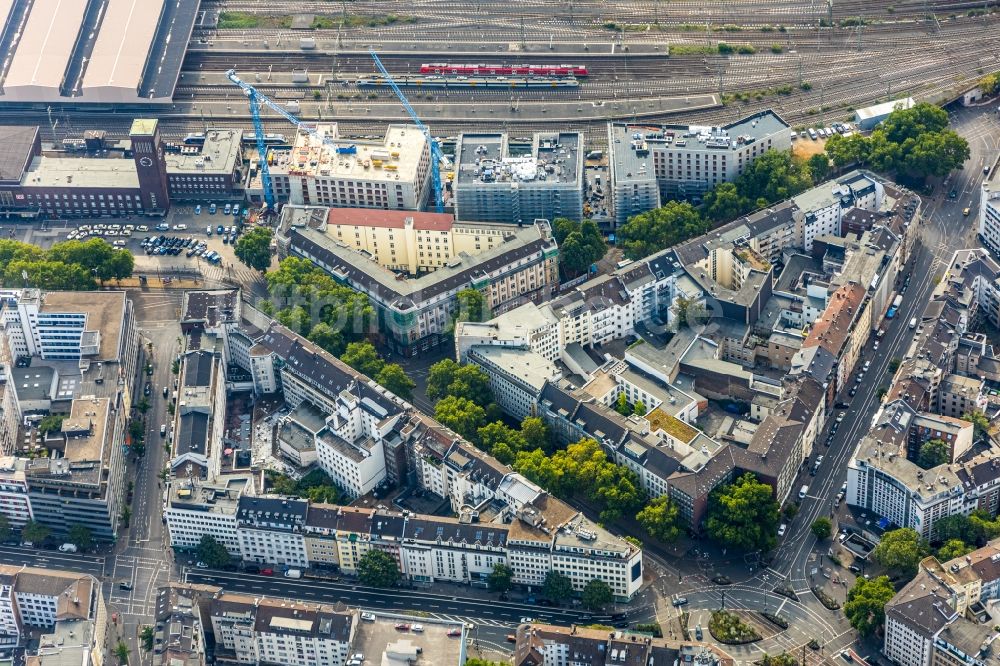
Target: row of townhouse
945,374
539,536
362,435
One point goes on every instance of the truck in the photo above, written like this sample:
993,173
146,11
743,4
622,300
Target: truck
293,573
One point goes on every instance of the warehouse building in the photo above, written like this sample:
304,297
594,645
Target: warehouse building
492,184
76,51
649,164
869,117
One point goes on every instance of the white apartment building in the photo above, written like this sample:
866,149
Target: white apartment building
14,500
516,376
989,210
391,174
650,164
271,530
350,449
823,207
195,509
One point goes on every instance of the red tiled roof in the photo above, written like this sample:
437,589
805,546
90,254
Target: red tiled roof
371,217
831,330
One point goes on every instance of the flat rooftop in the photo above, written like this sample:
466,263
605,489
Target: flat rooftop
485,159
219,154
43,52
79,172
104,310
529,367
383,644
400,154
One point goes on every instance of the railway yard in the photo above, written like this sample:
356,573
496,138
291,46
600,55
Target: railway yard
813,62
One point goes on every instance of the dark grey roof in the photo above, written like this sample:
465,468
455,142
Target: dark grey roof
198,368
16,149
210,307
431,529
192,434
277,507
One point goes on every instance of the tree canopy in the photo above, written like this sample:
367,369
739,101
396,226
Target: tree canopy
310,302
821,527
915,142
316,486
953,548
68,266
501,579
34,532
81,537
448,378
932,453
580,245
363,357
661,228
254,248
866,601
394,378
743,514
597,594
461,415
471,305
213,553
900,550
661,519
378,569
980,423
557,587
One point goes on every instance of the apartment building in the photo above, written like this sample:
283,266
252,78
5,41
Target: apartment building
649,164
415,313
935,620
989,209
14,501
494,185
194,509
516,376
551,645
179,632
324,169
270,530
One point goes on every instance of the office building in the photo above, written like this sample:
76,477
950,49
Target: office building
211,171
415,313
989,209
493,184
651,164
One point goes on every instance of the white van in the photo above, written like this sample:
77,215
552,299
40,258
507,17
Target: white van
803,492
913,323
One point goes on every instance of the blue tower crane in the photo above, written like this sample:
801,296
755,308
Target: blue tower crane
256,99
436,155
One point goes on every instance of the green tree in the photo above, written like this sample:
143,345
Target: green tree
51,423
821,527
471,305
819,166
143,405
213,553
900,550
958,527
125,515
50,275
774,176
122,651
622,406
661,519
866,601
96,256
580,245
254,248
535,433
639,408
394,378
461,415
502,441
363,357
557,587
661,228
953,548
378,569
932,453
501,579
136,431
988,84
922,118
845,150
980,423
783,659
81,537
596,595
146,638
5,528
448,378
724,202
34,532
743,514
323,335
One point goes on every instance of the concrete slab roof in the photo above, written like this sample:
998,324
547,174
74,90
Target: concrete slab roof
119,55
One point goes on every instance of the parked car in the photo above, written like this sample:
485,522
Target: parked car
368,617
197,209
679,601
267,572
782,529
67,548
526,620
200,565
402,626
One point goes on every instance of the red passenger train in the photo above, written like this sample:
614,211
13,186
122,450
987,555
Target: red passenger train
503,70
